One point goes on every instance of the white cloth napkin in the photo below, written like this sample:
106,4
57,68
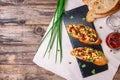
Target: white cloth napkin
69,68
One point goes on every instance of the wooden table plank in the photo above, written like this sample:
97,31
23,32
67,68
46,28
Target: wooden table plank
25,72
28,2
31,14
18,43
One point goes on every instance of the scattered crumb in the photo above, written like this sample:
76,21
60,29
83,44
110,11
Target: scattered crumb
111,50
70,62
100,27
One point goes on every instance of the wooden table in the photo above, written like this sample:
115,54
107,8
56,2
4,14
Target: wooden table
19,42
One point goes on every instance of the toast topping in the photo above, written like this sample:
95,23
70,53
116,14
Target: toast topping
87,54
90,55
82,32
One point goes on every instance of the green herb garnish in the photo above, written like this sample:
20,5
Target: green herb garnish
83,66
71,34
83,19
91,60
71,17
55,32
91,34
99,54
91,50
86,28
93,71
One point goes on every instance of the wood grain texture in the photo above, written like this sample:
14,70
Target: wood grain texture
18,43
117,75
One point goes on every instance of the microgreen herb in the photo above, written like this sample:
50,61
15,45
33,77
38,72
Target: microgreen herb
93,71
55,31
71,17
83,66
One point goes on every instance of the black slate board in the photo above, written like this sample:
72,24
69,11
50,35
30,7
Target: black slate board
76,16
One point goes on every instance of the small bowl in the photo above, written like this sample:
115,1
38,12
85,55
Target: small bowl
113,21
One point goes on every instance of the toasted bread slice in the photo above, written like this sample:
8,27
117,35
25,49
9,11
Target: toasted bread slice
91,16
104,6
89,2
90,55
84,33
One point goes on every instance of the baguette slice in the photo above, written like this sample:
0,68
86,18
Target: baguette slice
88,54
84,34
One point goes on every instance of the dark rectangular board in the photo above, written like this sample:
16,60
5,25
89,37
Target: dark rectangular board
77,16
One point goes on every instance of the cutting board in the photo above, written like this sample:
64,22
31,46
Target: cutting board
77,16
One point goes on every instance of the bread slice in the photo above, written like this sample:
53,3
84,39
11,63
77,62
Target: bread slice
84,33
91,15
104,6
101,6
88,54
89,2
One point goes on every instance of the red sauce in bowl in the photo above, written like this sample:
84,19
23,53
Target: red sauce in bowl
113,40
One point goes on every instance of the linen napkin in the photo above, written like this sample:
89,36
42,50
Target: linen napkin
69,69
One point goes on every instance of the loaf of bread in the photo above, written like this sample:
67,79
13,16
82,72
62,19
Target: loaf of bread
90,55
101,8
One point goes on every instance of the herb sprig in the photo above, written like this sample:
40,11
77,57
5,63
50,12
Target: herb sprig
55,31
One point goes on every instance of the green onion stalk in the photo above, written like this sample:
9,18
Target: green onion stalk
55,31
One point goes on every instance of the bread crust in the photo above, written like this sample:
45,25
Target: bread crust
71,29
95,12
91,16
102,8
97,57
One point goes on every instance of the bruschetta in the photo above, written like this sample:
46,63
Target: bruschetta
90,55
84,33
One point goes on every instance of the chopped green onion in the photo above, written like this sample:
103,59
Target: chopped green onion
56,31
91,34
71,34
86,28
99,54
91,50
83,19
71,17
93,71
83,66
91,60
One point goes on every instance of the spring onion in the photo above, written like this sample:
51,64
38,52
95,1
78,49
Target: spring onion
93,71
55,31
83,66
